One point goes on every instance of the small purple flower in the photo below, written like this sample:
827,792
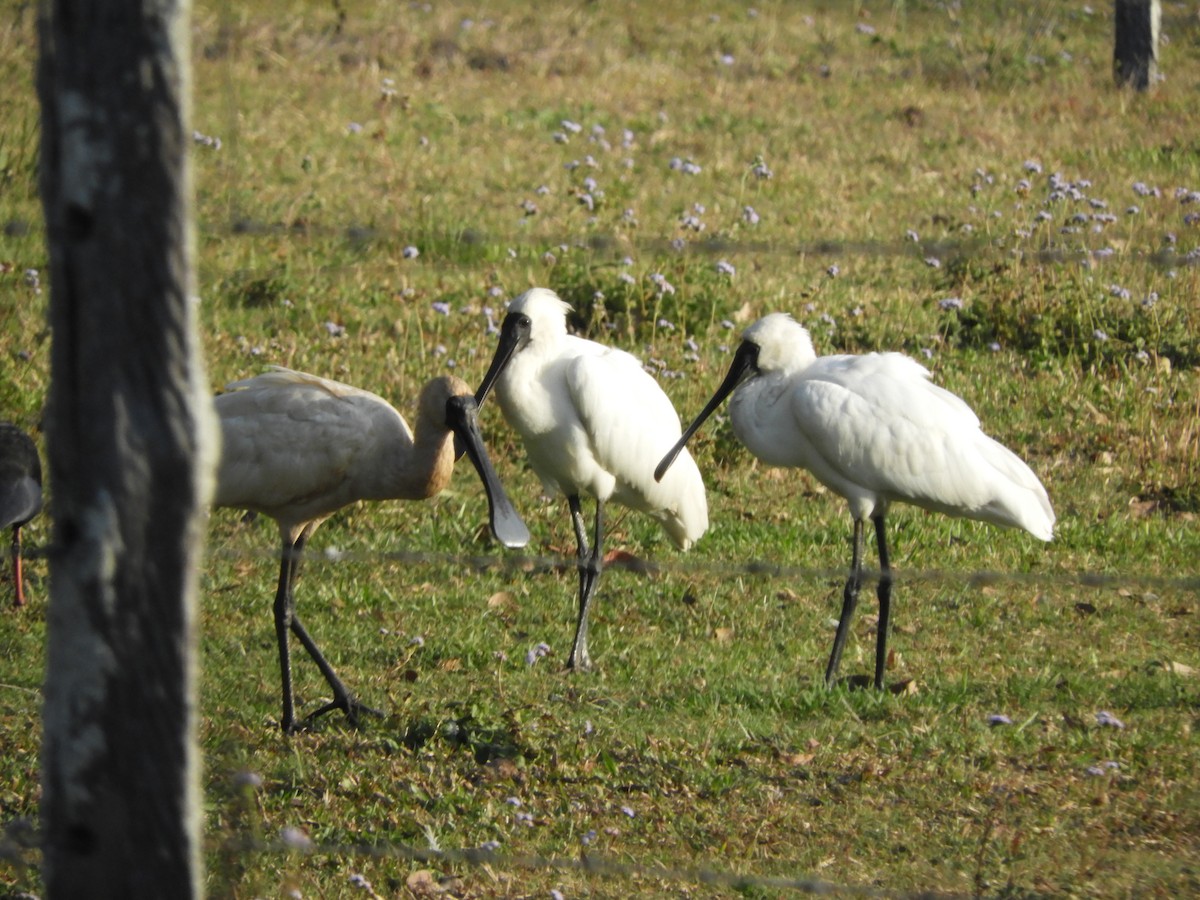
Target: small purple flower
334,329
864,28
441,307
587,839
354,128
749,216
295,838
573,127
912,236
933,262
997,719
410,252
725,268
762,171
660,281
1033,167
536,653
1107,719
727,59
628,810
950,303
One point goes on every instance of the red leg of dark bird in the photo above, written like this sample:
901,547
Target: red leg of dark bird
18,575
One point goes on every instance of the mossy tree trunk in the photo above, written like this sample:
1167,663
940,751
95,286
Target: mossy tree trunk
1135,49
129,432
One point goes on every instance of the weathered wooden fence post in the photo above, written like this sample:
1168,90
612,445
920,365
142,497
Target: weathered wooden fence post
130,438
1135,49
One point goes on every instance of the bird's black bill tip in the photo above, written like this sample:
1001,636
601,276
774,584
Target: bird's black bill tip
665,463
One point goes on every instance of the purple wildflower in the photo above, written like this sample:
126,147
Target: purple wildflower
1108,719
410,252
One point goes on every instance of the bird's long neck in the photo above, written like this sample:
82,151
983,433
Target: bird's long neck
431,464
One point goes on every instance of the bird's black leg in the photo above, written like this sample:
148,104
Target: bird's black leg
284,615
849,602
589,565
884,592
287,620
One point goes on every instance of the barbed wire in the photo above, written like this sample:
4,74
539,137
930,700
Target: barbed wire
22,840
684,567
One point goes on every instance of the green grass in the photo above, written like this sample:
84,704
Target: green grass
707,719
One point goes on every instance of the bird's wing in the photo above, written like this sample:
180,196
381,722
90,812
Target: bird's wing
20,500
280,377
630,423
876,422
288,437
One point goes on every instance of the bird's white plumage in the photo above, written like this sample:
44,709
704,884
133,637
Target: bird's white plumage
874,429
299,447
594,421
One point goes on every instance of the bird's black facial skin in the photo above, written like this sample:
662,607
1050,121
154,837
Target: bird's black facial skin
462,417
514,332
744,365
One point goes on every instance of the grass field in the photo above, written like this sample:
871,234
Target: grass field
957,181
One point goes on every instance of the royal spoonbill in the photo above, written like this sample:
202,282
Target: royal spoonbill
592,421
297,448
20,493
876,430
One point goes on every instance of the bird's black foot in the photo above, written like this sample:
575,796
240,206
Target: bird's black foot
351,708
579,662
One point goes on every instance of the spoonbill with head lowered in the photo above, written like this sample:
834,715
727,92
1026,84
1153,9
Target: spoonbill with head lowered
592,421
20,493
298,448
876,430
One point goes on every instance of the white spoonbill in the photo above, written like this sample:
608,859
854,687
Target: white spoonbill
592,421
875,430
297,448
20,493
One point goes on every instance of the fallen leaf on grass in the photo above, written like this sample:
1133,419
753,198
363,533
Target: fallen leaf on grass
1175,668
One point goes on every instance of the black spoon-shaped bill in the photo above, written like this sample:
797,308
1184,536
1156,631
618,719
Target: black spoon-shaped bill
744,365
462,417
